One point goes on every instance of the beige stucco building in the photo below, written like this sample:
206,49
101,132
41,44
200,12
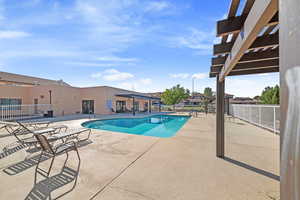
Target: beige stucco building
67,100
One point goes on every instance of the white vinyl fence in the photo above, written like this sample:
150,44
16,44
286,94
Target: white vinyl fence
266,116
19,112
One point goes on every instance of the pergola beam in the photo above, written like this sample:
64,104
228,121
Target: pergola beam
249,57
260,42
255,71
250,65
260,14
248,72
235,24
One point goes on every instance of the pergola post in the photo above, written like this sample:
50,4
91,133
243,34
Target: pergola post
289,44
133,108
227,105
220,118
149,106
159,106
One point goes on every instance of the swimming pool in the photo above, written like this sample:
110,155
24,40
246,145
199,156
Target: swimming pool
158,125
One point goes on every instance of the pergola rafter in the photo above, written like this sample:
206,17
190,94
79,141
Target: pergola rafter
235,24
249,57
268,40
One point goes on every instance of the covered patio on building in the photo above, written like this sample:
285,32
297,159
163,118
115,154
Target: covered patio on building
136,100
251,44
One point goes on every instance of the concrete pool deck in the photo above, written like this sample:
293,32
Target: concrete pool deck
118,166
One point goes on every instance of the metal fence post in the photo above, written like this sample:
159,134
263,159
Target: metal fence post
259,122
250,113
274,123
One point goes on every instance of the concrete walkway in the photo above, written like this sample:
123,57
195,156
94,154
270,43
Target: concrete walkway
117,166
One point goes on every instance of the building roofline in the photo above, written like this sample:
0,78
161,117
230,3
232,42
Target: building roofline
32,80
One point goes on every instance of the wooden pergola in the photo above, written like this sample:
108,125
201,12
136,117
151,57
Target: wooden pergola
252,43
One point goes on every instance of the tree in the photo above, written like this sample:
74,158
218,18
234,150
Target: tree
175,95
208,92
270,95
256,97
208,95
276,95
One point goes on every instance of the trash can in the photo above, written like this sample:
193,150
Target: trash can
50,113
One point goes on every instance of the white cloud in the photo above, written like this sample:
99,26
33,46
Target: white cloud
186,75
115,75
157,6
116,59
180,75
97,75
111,71
90,64
27,51
128,86
112,75
118,76
13,34
97,30
146,81
200,75
112,25
200,41
141,85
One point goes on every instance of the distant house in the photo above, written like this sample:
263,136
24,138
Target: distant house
155,94
196,99
243,100
200,99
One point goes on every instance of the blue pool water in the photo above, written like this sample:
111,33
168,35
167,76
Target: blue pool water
158,125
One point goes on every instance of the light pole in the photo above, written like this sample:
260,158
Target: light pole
193,87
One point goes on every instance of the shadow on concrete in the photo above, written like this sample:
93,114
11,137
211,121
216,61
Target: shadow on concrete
43,190
8,151
19,167
4,135
254,169
240,123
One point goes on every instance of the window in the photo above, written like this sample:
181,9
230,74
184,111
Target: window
7,101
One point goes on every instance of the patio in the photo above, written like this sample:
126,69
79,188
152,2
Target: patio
121,166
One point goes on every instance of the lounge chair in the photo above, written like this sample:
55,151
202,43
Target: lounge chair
52,151
11,127
71,134
22,134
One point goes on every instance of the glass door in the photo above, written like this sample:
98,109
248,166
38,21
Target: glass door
146,107
120,106
136,106
88,106
36,102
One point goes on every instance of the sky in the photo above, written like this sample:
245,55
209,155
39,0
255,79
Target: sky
142,45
